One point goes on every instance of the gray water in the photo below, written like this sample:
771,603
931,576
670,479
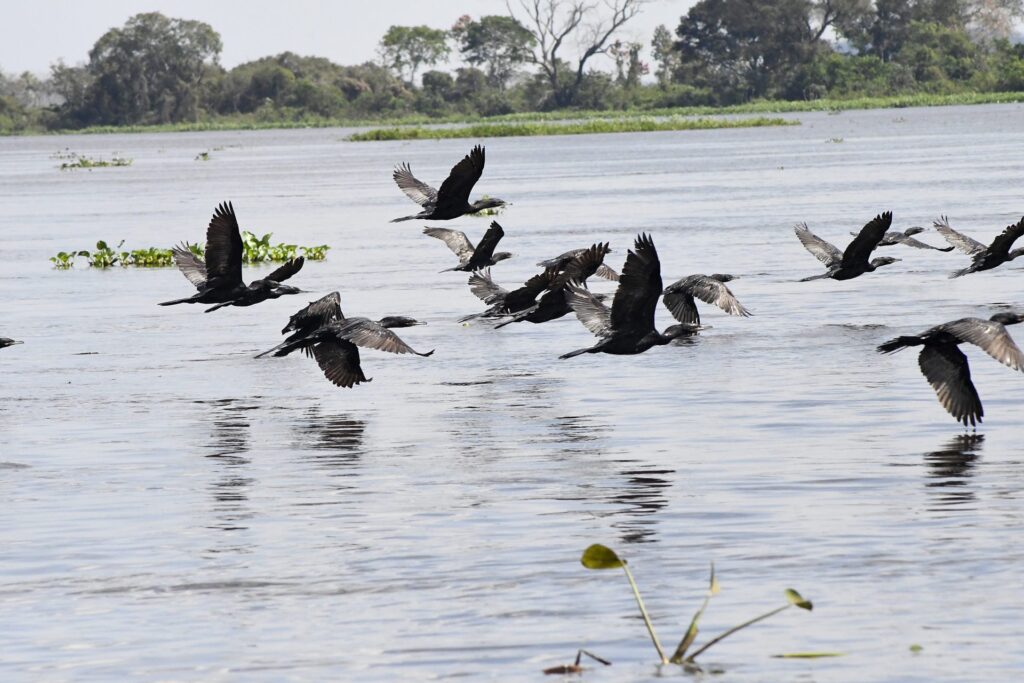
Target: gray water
174,510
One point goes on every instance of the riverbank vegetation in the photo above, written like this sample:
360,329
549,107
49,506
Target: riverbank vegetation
561,59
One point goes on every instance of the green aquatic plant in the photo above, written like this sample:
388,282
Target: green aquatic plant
74,161
203,156
254,250
598,556
575,668
590,126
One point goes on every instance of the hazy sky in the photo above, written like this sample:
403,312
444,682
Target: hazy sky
35,34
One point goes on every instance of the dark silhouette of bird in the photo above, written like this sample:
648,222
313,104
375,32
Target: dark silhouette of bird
846,265
553,303
679,297
945,366
628,328
472,258
452,200
906,238
982,257
218,277
5,342
559,262
503,302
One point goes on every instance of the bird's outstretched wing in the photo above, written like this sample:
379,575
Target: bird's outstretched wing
484,288
959,240
317,314
414,189
945,367
607,273
455,239
339,361
454,192
989,336
639,288
682,306
860,248
224,247
824,251
488,243
191,266
679,298
581,266
1004,240
286,270
594,315
918,244
373,335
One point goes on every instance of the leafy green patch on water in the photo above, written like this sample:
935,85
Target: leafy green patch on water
254,250
602,557
627,125
72,161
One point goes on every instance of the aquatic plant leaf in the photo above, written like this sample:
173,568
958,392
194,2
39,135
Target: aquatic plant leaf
600,556
808,655
915,648
714,588
563,669
798,600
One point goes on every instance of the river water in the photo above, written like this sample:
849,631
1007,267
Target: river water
174,510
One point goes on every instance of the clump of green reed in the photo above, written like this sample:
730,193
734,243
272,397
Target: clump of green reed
601,557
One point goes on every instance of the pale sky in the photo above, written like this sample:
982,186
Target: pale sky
35,34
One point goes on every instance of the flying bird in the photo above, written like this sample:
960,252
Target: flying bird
218,277
472,258
982,257
452,200
628,327
853,262
560,261
679,297
322,330
945,366
503,302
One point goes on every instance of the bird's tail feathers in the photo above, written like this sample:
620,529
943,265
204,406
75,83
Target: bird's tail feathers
578,352
894,345
286,347
403,218
186,300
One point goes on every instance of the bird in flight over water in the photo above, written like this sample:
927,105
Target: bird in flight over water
452,200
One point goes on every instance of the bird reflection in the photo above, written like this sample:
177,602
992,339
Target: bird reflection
640,497
334,442
950,469
228,446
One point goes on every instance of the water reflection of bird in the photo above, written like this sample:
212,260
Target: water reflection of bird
333,339
906,238
218,276
982,257
628,327
5,342
679,297
639,498
945,366
951,466
452,200
853,262
472,258
554,303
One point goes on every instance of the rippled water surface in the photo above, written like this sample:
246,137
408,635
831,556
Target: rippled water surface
175,510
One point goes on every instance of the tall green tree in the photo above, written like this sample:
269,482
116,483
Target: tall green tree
498,44
404,49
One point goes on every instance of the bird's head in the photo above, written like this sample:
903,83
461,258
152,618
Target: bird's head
488,203
399,321
884,261
501,255
681,330
914,230
1014,254
280,290
1008,318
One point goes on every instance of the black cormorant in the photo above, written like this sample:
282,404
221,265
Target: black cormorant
472,258
452,200
906,237
711,289
553,304
560,261
945,366
982,257
218,277
846,265
628,328
5,342
503,302
335,341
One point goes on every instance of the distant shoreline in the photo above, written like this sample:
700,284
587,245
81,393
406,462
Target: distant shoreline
566,116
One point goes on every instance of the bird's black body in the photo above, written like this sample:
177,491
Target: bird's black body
218,277
504,302
853,262
322,330
679,297
553,303
472,258
5,342
982,257
945,366
628,327
452,200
